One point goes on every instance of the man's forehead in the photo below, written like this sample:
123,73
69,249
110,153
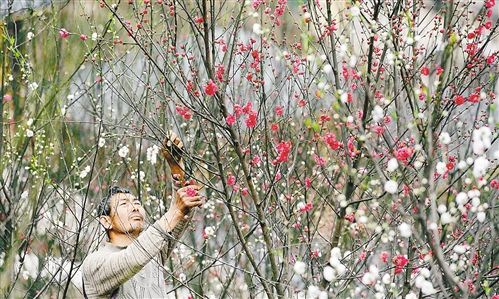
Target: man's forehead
123,196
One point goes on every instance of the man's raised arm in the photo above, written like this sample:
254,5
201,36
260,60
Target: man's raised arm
104,272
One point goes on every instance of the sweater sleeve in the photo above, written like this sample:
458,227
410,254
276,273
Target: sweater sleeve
177,233
104,272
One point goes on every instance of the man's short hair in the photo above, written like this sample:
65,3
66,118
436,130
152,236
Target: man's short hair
105,204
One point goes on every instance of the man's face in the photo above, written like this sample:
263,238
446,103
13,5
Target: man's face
127,214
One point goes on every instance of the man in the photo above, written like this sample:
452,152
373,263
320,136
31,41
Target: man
130,263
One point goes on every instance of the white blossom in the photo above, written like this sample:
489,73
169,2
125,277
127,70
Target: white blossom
444,138
386,278
313,292
442,209
102,142
257,29
94,36
446,218
441,168
152,153
427,288
481,140
411,295
480,216
371,276
461,198
355,11
405,230
392,165
391,187
336,253
327,68
329,273
123,152
480,166
84,172
378,113
425,272
459,249
300,267
29,133
32,86
30,35
323,295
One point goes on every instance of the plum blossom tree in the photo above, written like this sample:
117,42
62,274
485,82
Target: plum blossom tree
347,149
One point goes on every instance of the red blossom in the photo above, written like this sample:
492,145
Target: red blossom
331,141
248,108
184,112
210,88
83,37
459,100
400,262
474,98
252,119
283,151
403,154
491,59
425,71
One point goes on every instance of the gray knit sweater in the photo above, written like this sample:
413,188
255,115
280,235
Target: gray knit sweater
135,271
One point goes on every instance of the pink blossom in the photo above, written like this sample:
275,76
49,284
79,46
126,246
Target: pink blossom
308,183
384,256
210,88
279,110
256,160
256,3
63,33
83,37
220,73
231,180
191,192
230,119
307,207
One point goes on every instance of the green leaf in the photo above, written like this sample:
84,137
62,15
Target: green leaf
308,122
316,127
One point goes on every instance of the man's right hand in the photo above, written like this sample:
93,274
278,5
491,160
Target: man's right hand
186,198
